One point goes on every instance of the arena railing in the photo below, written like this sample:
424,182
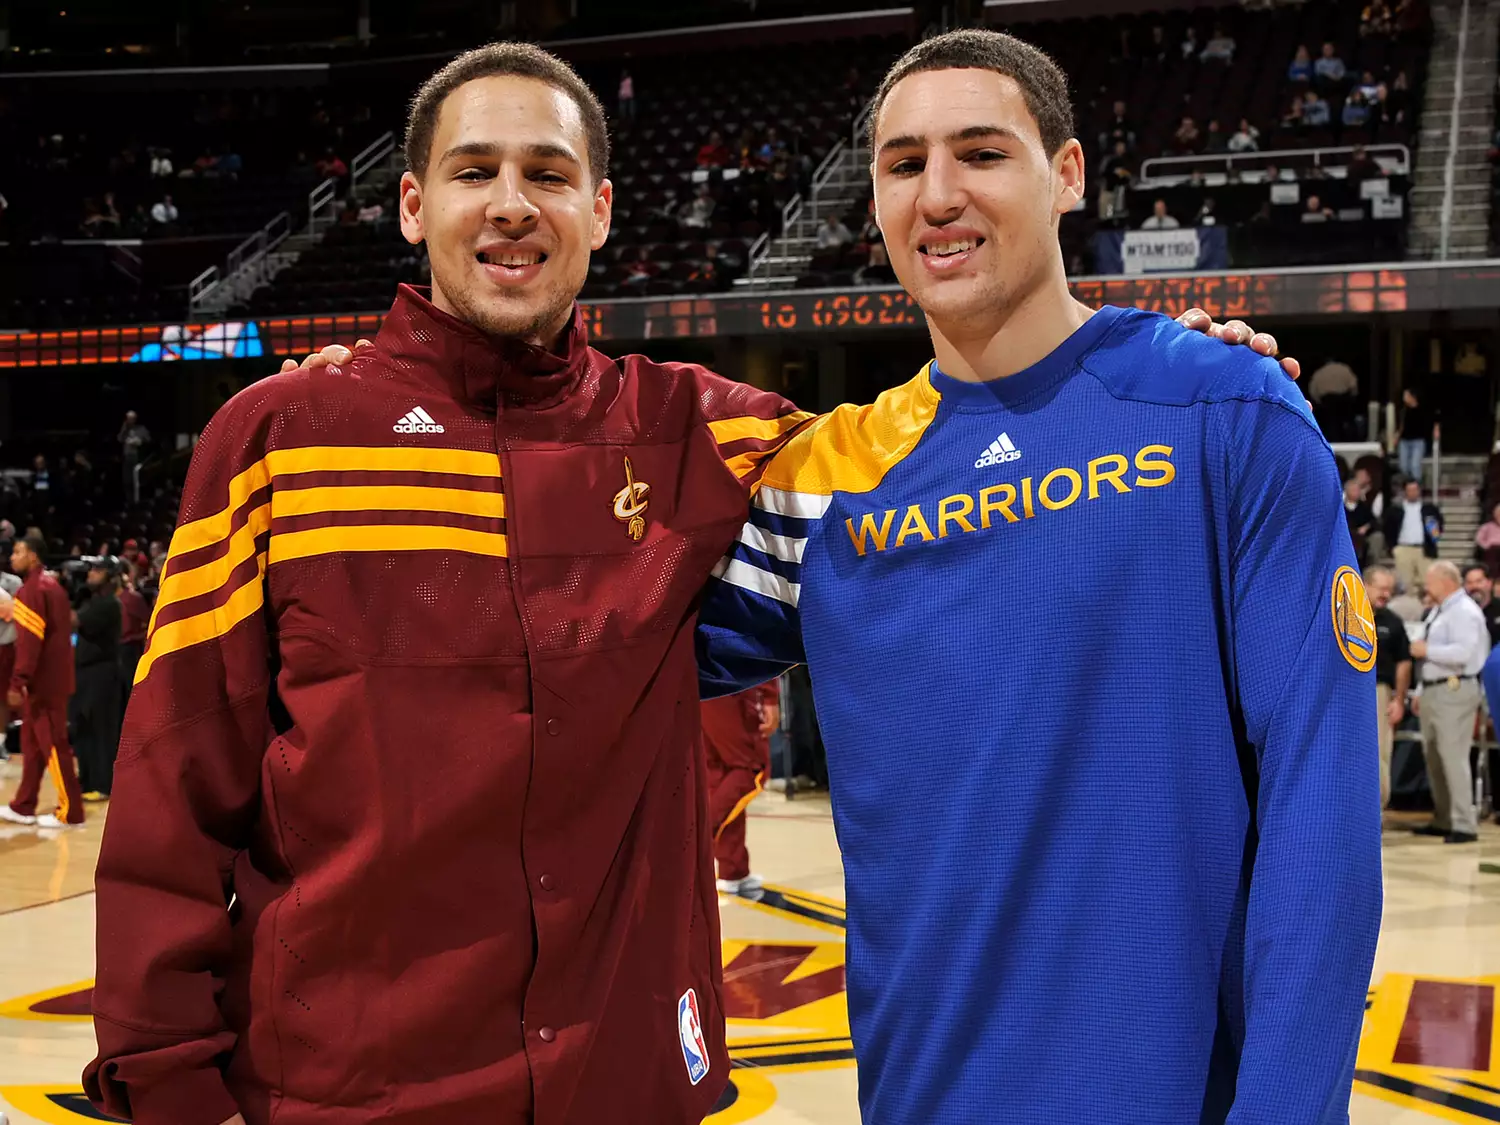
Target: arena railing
1227,162
320,200
248,253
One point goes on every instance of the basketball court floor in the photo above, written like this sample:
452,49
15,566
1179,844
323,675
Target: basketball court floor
1430,1051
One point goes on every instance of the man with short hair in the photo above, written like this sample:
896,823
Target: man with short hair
1160,218
1413,526
9,584
96,700
1481,587
1392,668
1453,655
40,685
1045,430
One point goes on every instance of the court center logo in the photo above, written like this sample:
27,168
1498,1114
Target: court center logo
1353,619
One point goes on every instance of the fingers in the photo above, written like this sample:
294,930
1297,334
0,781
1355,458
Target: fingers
361,345
1292,367
288,365
1264,343
336,353
1237,332
1196,319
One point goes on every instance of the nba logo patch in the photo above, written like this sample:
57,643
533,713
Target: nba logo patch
690,1033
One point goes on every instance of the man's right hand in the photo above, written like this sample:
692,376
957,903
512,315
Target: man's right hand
332,353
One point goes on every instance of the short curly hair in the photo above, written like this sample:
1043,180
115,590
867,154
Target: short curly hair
1042,82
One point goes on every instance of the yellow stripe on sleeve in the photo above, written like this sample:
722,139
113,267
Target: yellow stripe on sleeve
361,458
187,631
184,584
215,528
726,430
30,620
386,498
386,538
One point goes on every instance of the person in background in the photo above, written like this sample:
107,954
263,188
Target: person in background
737,738
1300,69
133,439
1392,668
1246,138
1329,69
1361,519
1372,496
9,585
1412,529
1453,654
1418,424
96,702
1487,541
1220,48
40,684
135,615
1160,218
1480,585
625,97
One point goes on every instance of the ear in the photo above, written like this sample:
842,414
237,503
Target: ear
1069,178
604,202
412,227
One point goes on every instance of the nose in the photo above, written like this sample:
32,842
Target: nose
942,196
509,205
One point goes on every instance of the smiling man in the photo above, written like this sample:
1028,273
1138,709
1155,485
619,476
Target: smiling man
409,819
1091,662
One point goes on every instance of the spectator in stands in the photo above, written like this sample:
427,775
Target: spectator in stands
1362,167
206,166
1329,70
1487,544
1190,43
1368,85
1157,51
698,212
41,475
638,267
1118,127
164,212
1217,141
772,147
1160,218
833,234
1398,98
625,97
1188,138
1315,113
1376,19
1356,111
349,212
1361,520
230,164
1115,177
331,166
1315,212
714,153
1393,668
1418,425
1292,118
1413,527
1206,216
161,163
1301,68
371,212
1453,653
139,223
133,438
1480,586
1246,138
1220,48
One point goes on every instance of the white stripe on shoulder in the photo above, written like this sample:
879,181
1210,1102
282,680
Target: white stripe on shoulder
737,572
783,547
803,505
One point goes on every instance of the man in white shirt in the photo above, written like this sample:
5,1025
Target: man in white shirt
1412,527
164,212
1159,219
1453,655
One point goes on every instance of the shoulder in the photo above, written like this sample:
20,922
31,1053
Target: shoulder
709,396
1151,358
852,448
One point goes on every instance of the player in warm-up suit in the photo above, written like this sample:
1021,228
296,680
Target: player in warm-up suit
737,737
40,684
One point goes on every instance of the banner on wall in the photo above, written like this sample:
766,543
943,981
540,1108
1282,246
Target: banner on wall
1161,251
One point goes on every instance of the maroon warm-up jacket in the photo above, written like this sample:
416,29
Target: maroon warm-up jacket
409,822
43,668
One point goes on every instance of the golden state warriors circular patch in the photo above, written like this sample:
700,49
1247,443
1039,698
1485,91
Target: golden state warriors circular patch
1353,619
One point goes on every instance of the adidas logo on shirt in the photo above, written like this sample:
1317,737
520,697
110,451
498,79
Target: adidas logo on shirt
417,421
1001,450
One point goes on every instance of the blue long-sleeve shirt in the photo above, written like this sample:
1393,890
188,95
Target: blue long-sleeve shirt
1094,675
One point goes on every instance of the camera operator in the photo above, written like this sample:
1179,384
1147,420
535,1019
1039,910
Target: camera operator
96,702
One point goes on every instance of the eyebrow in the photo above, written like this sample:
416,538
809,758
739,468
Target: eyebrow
491,149
973,132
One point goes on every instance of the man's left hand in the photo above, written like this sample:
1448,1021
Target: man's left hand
1396,713
1238,332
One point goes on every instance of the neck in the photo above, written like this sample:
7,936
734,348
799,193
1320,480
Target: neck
1012,338
546,337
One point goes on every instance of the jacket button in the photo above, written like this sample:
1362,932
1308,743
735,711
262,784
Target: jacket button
547,1034
554,727
547,882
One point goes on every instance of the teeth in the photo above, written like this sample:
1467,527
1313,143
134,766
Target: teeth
943,249
530,258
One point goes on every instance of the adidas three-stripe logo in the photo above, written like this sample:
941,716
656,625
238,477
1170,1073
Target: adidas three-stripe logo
1001,450
417,421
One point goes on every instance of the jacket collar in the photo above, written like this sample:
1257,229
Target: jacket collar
475,367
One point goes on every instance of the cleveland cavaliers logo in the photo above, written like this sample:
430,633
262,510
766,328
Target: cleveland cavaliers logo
631,502
1353,619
